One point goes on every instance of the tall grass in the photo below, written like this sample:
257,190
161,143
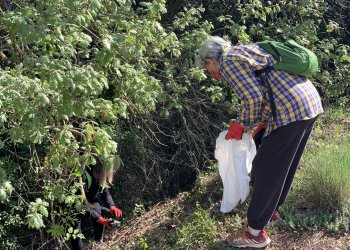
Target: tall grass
324,184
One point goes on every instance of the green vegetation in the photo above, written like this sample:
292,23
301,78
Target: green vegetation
319,199
201,230
85,79
324,183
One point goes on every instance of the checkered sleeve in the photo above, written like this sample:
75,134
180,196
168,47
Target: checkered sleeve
242,78
296,97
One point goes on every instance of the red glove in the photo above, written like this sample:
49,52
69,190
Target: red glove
235,131
115,211
217,76
104,221
258,129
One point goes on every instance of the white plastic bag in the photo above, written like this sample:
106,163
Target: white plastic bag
235,163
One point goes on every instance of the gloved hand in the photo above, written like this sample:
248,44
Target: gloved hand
258,134
217,76
104,221
260,129
235,131
115,211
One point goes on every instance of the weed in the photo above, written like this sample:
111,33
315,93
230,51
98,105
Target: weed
311,220
201,230
138,210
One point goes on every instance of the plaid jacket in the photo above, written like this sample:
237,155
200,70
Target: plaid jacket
295,97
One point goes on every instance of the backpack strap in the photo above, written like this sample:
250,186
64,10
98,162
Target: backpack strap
276,51
261,74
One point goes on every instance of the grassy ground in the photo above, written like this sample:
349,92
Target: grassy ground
193,220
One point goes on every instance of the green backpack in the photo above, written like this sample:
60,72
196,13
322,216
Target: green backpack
292,57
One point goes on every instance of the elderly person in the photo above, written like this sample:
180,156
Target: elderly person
288,122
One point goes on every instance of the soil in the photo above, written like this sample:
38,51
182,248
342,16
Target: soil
156,222
307,241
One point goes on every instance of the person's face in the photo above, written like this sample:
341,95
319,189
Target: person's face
212,66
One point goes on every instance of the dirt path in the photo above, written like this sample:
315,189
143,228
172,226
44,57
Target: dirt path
307,241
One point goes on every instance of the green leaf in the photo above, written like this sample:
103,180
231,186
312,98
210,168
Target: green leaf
42,99
56,230
3,194
268,10
106,44
43,211
8,187
96,4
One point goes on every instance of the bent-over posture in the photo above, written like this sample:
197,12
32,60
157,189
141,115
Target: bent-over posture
297,104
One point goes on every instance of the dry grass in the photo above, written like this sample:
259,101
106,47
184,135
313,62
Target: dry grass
158,223
309,240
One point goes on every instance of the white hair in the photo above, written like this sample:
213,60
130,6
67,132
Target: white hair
211,48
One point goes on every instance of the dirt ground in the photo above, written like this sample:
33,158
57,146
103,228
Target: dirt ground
307,241
156,221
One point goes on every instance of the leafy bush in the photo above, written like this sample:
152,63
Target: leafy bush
85,79
10,227
79,78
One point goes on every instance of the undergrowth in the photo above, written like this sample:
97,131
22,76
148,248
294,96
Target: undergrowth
320,195
318,201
